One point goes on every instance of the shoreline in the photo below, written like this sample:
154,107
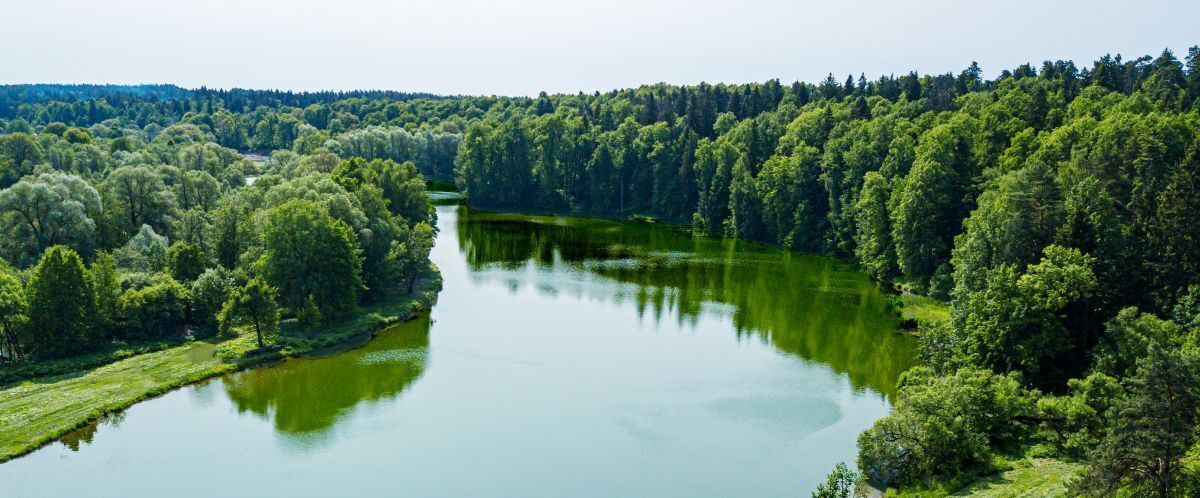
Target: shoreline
40,410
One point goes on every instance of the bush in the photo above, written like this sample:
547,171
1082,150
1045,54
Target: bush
944,424
209,293
309,314
838,484
152,311
1074,424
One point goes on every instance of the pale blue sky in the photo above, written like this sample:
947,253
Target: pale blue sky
520,47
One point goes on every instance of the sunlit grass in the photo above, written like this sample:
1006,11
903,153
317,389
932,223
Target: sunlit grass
1023,478
923,311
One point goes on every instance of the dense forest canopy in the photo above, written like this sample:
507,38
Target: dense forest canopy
1056,207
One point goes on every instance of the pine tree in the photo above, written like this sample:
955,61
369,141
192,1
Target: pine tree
1177,227
1152,430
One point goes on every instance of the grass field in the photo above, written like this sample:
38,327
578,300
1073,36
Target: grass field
1036,477
923,311
1024,478
36,411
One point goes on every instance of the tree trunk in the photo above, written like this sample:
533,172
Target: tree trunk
622,195
14,347
411,281
258,332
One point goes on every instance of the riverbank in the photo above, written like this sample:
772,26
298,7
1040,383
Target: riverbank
39,410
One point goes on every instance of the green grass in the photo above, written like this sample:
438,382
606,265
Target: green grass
1024,478
36,411
30,369
1035,477
921,311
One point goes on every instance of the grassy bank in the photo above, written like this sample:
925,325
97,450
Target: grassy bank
918,312
1024,478
35,411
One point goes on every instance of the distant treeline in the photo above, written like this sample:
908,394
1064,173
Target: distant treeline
11,96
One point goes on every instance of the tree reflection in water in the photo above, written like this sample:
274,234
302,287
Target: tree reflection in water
814,307
306,396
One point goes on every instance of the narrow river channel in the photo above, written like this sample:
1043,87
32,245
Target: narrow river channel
566,357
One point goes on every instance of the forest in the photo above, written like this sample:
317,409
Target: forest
1055,208
117,235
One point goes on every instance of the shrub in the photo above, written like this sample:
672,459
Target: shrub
152,311
209,292
838,484
944,424
1074,424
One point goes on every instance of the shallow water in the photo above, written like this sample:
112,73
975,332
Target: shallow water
566,357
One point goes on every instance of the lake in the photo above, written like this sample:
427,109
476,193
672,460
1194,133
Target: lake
566,357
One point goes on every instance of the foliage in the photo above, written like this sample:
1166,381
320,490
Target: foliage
153,311
119,190
413,252
1128,338
1075,423
139,197
186,261
309,314
943,424
146,251
838,484
61,305
12,314
50,209
209,292
106,285
306,252
1021,321
251,305
1152,429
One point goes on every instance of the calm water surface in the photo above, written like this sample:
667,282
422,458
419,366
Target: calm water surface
565,358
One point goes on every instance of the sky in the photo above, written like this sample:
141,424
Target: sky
507,47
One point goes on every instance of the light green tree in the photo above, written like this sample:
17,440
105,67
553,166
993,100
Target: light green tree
13,308
252,305
50,209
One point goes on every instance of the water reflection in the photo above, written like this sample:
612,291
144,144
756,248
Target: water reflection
83,436
817,308
306,396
